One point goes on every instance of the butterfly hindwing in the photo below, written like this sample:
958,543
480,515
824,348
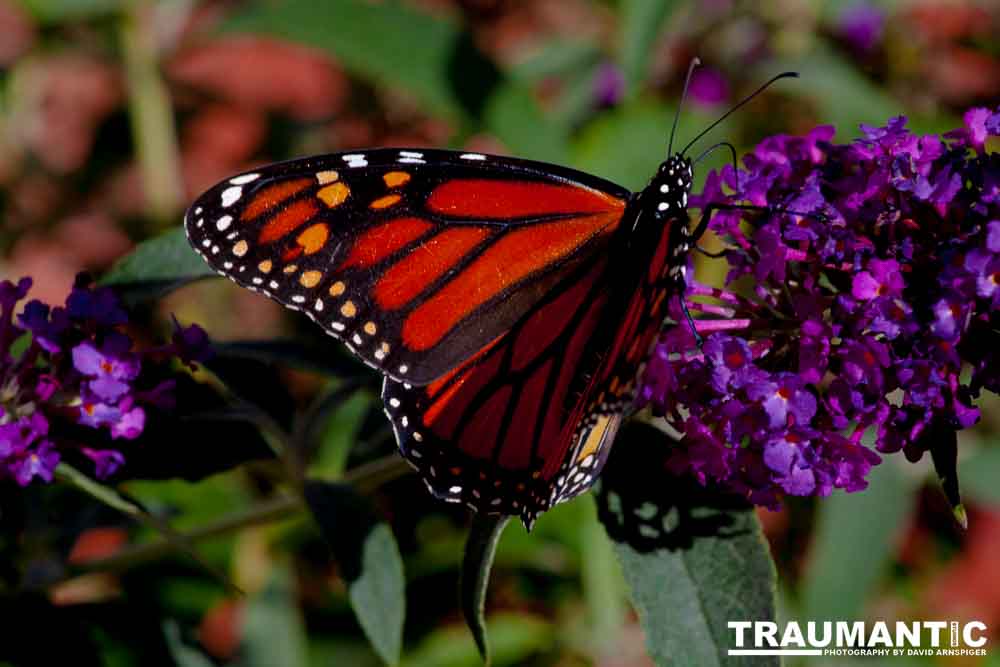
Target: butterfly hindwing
416,259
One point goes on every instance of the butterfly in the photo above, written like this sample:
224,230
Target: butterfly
510,304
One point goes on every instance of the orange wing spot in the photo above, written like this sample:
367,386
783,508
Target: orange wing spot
485,198
325,177
288,220
396,178
314,237
310,278
385,202
511,259
408,277
334,195
265,266
379,242
269,197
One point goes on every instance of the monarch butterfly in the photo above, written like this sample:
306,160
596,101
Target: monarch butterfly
510,304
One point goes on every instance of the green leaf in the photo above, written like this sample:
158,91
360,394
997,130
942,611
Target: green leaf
273,630
641,21
979,474
513,637
842,94
626,145
183,655
338,429
693,560
156,267
556,58
513,116
369,561
853,544
57,11
389,43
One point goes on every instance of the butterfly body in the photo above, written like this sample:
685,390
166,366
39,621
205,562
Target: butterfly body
510,304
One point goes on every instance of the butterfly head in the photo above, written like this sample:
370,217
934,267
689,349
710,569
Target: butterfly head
667,193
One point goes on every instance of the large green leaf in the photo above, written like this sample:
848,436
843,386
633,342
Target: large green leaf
390,43
694,560
369,561
641,22
156,267
852,547
273,630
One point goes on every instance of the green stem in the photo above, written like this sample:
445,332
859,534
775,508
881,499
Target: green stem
151,112
365,477
480,550
113,499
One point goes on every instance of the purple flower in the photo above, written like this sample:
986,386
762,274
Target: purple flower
110,368
39,462
708,87
861,26
78,369
106,461
878,317
609,85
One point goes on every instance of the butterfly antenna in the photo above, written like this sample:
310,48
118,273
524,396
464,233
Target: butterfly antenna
783,75
695,62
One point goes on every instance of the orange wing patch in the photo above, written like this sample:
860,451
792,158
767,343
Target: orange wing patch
273,195
381,241
514,199
288,220
411,275
510,260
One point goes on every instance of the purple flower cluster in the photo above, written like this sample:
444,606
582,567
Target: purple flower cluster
69,367
863,315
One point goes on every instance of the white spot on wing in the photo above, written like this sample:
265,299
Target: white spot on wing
472,156
244,179
231,195
222,224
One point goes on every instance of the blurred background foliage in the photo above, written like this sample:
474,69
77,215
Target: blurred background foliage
114,114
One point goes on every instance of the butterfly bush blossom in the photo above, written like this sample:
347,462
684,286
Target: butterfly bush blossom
865,327
66,372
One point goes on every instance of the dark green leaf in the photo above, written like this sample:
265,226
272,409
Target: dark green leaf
389,43
335,427
156,267
944,454
56,11
513,116
693,559
641,22
513,636
842,575
183,655
557,58
325,355
369,561
273,629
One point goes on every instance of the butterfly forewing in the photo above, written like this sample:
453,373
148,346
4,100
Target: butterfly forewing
416,259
